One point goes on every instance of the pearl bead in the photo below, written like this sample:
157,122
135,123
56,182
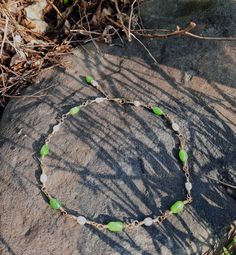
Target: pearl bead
175,126
56,128
100,99
94,83
43,178
188,186
137,103
81,220
148,221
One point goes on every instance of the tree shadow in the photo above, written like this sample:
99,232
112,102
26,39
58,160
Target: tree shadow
119,162
211,60
6,247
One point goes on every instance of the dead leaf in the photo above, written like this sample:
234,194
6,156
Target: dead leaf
34,16
17,59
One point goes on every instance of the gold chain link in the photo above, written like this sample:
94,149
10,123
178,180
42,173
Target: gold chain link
132,225
97,225
45,192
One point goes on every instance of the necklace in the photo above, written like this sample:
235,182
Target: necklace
117,226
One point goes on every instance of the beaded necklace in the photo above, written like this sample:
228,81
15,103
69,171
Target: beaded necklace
117,226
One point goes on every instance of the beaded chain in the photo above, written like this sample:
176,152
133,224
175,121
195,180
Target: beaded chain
117,226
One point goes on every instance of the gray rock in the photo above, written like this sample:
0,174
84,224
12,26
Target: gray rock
216,14
112,162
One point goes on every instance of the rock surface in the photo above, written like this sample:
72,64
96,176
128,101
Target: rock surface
111,162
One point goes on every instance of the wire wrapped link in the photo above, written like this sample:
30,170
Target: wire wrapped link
186,168
45,192
118,100
71,216
133,224
48,138
187,176
168,118
189,199
186,172
63,211
148,107
86,103
96,225
63,117
161,218
182,141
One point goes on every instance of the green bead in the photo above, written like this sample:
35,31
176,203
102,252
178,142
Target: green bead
177,207
54,203
44,150
115,226
89,79
226,252
74,110
157,111
183,155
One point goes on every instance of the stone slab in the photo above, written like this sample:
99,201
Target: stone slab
112,162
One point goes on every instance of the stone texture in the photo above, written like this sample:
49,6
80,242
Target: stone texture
210,15
110,162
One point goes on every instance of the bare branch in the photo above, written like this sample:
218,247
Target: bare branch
130,19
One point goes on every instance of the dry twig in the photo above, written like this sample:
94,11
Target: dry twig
4,37
85,21
130,19
221,182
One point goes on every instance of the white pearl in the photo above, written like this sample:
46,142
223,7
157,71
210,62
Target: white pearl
94,83
148,221
137,103
43,178
56,128
81,220
188,186
175,126
100,99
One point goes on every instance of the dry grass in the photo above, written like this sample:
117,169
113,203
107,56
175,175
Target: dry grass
25,52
